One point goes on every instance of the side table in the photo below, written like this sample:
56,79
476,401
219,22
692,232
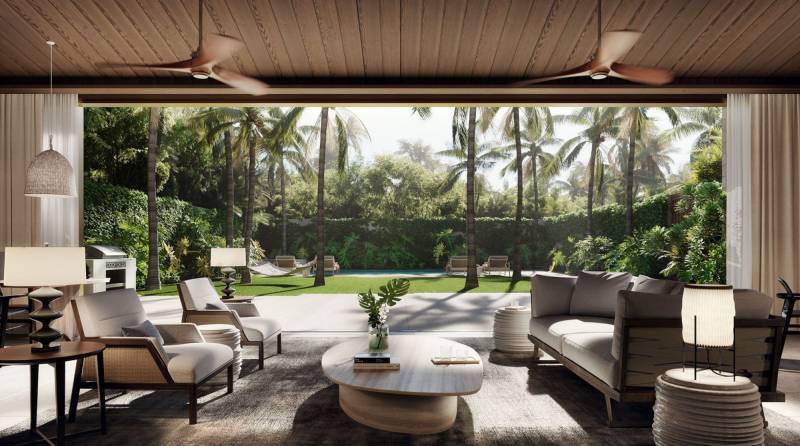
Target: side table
226,335
70,351
511,326
713,409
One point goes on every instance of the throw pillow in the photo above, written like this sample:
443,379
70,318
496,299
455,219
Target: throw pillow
596,293
551,294
210,306
644,284
144,330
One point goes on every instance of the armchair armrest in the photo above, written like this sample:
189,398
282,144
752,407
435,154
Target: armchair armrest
244,309
184,333
130,360
203,317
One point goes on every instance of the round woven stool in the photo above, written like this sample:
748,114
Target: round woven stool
712,410
511,326
226,335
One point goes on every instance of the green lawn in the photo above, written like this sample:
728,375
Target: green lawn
293,286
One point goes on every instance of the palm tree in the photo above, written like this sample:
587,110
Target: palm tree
598,123
153,278
634,123
655,160
341,129
420,153
537,121
214,125
284,142
704,122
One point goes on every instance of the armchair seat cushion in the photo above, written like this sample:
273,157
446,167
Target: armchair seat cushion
259,328
592,351
552,329
192,363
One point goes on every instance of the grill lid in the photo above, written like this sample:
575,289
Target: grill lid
105,252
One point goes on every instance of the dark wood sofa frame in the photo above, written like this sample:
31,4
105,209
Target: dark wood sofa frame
757,357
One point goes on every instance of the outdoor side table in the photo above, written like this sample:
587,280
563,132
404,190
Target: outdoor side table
70,351
227,335
713,409
511,330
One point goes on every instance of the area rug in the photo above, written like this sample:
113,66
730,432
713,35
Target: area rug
291,402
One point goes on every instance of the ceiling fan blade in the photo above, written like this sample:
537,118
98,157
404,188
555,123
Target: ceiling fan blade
218,47
239,81
583,70
614,45
183,66
644,75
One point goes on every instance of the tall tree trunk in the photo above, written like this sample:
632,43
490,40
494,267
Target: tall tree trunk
590,197
601,182
535,181
251,201
284,218
228,189
629,182
472,268
517,253
319,278
153,278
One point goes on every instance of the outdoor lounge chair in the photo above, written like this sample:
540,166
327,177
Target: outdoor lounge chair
456,264
496,264
330,265
202,305
184,362
286,262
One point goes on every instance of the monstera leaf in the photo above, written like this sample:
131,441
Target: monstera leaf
393,290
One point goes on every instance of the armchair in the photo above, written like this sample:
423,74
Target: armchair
184,362
198,296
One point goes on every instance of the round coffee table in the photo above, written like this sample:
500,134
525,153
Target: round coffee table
420,398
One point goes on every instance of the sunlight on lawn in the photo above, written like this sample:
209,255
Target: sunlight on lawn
293,286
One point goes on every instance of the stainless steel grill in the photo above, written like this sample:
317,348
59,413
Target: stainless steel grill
113,263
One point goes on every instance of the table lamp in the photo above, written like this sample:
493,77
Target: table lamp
44,269
227,258
707,315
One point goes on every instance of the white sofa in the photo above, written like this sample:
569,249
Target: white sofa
619,333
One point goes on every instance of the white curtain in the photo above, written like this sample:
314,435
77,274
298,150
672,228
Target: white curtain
60,217
20,140
739,226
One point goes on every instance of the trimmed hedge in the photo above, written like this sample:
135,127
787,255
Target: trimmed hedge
409,243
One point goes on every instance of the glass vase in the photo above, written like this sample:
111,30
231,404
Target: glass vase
379,338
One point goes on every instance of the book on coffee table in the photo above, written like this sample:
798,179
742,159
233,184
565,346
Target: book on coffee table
444,360
371,358
376,367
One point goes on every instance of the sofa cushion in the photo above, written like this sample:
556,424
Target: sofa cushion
551,329
596,293
592,351
551,293
192,363
644,284
259,328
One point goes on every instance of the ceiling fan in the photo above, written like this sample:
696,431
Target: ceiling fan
611,47
211,50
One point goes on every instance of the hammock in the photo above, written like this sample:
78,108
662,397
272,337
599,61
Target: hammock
268,269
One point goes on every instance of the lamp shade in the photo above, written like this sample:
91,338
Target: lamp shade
228,257
714,308
44,267
50,175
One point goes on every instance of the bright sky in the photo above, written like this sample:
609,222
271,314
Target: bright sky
388,125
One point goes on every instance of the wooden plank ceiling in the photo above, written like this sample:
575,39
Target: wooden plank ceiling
366,41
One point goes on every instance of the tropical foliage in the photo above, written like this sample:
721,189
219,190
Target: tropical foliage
587,187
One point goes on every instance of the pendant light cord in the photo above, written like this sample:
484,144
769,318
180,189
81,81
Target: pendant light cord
51,44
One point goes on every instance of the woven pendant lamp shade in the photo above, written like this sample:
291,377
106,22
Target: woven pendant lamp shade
50,175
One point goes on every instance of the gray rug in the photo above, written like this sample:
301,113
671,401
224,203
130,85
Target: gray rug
291,402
